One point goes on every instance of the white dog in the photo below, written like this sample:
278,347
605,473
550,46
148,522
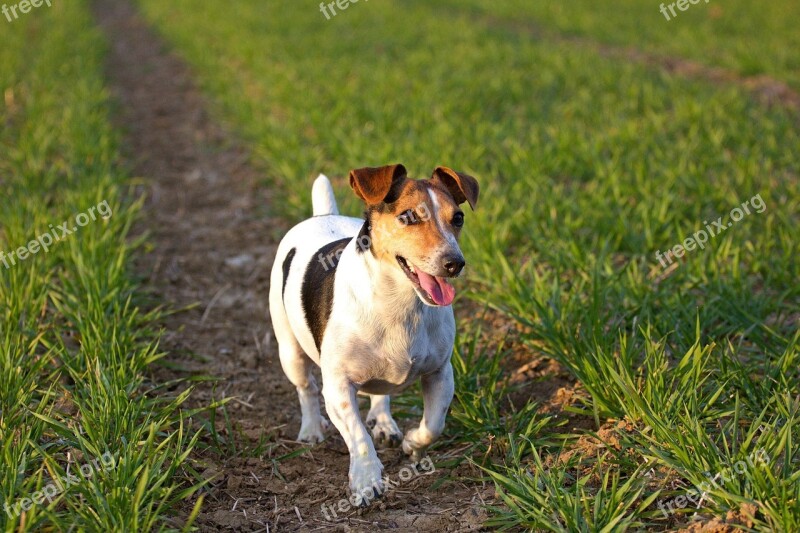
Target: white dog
369,302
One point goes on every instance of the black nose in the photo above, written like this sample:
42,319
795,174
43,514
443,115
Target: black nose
454,264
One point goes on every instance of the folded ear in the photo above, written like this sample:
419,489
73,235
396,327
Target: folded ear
372,184
462,187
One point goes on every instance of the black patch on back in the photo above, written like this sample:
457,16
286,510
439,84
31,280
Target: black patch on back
316,294
287,264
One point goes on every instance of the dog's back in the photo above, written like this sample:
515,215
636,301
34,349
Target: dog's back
309,253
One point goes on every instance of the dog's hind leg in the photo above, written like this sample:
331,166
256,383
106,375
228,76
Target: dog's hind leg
297,367
385,432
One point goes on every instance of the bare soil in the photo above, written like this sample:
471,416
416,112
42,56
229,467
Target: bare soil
213,241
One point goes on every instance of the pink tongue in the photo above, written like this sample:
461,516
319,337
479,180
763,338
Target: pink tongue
437,288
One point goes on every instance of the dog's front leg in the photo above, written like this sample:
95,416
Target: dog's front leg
437,393
365,467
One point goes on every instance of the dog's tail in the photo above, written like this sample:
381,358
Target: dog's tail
322,198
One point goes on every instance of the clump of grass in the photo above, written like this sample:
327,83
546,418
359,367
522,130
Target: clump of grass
565,497
482,413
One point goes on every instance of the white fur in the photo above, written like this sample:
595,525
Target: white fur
450,239
380,338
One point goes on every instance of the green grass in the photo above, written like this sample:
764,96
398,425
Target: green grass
748,38
74,344
588,165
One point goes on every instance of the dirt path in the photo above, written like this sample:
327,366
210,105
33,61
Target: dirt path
212,246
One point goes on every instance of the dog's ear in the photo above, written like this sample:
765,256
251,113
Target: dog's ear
462,187
372,184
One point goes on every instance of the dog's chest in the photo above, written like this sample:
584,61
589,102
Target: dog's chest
405,351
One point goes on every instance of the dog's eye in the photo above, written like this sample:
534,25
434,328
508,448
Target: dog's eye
408,218
458,219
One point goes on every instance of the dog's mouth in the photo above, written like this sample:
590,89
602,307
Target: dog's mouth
434,289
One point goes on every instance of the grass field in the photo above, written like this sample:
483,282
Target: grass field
750,39
589,166
74,345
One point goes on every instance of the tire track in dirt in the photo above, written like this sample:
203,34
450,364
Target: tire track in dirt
765,89
213,246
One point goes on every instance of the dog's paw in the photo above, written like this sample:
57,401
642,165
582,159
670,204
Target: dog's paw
385,433
412,448
366,482
313,432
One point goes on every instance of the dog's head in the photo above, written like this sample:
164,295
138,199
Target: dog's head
414,225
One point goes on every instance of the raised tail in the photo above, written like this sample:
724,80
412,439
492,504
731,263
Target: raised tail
322,198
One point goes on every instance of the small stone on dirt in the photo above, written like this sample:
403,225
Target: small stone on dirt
240,261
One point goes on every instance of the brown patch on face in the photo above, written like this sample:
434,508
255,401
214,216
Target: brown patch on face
413,225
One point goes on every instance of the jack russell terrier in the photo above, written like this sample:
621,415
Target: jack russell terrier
369,302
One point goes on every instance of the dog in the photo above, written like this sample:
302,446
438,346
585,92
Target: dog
368,300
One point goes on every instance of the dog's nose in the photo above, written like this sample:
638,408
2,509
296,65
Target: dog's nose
454,264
